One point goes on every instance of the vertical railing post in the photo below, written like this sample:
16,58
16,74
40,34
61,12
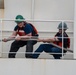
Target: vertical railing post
1,40
75,29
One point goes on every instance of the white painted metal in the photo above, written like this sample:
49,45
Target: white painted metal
37,67
1,40
75,29
32,8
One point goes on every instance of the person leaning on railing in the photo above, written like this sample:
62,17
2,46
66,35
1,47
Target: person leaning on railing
25,31
60,37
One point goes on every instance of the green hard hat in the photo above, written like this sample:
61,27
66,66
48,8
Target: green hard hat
19,18
64,26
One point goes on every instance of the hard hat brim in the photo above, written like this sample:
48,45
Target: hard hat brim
19,20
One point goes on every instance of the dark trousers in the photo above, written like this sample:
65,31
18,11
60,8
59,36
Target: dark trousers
49,49
17,44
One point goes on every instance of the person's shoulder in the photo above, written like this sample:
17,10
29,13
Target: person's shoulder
65,34
28,25
57,34
16,27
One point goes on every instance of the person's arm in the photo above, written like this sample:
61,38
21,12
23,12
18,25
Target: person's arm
48,40
10,37
28,36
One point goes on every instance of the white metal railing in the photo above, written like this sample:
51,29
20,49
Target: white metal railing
37,20
1,41
70,21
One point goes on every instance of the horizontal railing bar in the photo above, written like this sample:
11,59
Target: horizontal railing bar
40,31
39,20
34,53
